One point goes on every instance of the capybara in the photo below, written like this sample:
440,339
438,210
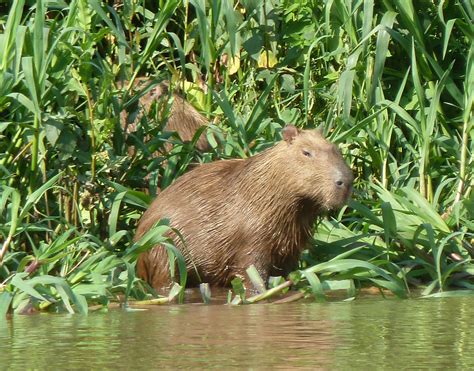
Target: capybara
183,118
259,210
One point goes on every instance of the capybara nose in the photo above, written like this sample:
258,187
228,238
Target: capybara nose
344,186
344,180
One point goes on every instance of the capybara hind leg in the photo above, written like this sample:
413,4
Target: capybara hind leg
153,267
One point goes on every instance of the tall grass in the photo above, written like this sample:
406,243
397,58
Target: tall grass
392,83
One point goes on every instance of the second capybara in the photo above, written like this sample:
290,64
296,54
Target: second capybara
183,118
260,210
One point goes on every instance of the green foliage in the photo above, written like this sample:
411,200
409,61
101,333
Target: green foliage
392,82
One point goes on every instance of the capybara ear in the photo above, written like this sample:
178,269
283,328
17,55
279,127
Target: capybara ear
289,133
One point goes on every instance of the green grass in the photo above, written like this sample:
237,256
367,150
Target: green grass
392,83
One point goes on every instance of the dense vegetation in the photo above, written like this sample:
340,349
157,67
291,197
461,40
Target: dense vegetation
391,82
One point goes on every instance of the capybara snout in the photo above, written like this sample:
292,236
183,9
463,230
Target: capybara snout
343,179
257,211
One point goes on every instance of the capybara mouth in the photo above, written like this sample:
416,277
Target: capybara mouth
347,194
339,199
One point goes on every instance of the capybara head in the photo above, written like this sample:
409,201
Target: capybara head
320,171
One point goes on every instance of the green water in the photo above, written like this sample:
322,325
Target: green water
364,334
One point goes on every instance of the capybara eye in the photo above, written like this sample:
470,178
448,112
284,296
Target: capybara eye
307,153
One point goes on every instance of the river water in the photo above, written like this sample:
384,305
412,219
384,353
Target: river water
363,334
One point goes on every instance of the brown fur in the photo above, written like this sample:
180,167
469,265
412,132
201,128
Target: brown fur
183,118
261,210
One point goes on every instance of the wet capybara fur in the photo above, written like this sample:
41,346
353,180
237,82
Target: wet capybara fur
183,118
259,210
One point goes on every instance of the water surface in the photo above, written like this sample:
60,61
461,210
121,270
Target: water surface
363,334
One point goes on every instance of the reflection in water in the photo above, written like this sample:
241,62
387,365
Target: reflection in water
378,333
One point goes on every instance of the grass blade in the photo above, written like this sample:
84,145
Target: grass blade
381,51
256,279
5,302
9,37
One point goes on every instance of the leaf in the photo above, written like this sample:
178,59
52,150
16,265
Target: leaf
253,45
10,30
205,292
447,34
175,255
5,302
389,221
135,198
256,279
449,294
420,206
153,237
288,83
15,206
26,286
306,80
179,49
33,197
410,20
130,279
254,122
233,64
114,213
204,32
316,287
175,290
64,290
334,285
65,298
83,18
39,43
91,289
22,99
267,59
60,243
239,288
346,83
157,34
231,19
67,143
381,51
94,4
115,238
417,83
31,83
225,105
395,285
53,130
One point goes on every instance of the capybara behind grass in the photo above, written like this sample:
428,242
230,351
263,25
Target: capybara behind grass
259,210
183,118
